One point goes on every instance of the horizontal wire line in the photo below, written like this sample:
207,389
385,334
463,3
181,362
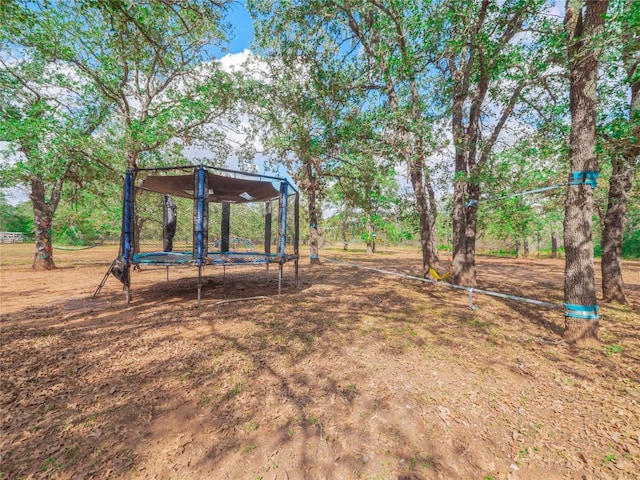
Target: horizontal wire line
450,285
528,192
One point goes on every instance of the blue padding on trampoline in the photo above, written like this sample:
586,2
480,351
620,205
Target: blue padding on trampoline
213,258
163,258
239,258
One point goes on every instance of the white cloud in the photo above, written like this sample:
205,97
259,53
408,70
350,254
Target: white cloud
234,62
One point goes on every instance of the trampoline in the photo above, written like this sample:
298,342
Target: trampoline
232,208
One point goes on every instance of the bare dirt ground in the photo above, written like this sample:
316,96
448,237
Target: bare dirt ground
354,374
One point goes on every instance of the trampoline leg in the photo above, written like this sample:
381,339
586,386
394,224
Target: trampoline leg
104,279
127,283
167,273
279,279
199,284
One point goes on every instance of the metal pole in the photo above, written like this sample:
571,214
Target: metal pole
199,284
450,285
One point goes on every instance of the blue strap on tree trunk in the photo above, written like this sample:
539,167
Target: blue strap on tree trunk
585,312
589,177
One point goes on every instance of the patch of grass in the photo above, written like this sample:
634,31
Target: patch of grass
427,399
606,337
184,376
205,399
522,453
51,464
480,325
291,432
235,390
308,340
419,461
313,419
610,350
610,458
249,448
251,426
90,421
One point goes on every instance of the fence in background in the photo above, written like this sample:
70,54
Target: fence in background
11,237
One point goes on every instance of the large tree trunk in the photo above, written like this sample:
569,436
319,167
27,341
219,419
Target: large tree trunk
465,193
414,157
465,217
43,257
554,245
313,190
131,157
579,280
345,235
43,211
371,232
432,246
314,230
471,84
429,258
421,184
620,185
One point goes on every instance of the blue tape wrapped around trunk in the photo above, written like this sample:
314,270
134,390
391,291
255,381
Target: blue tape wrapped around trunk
585,312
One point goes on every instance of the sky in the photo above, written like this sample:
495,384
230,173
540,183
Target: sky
242,27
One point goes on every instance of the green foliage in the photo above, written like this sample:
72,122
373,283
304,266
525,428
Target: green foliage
514,218
145,60
17,218
631,244
88,216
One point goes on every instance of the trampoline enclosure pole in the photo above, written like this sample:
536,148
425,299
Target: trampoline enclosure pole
296,224
225,226
127,217
128,235
200,222
283,220
267,226
296,232
200,214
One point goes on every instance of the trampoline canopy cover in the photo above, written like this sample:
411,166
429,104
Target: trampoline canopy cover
221,188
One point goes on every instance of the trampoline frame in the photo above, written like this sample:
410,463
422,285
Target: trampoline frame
231,182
